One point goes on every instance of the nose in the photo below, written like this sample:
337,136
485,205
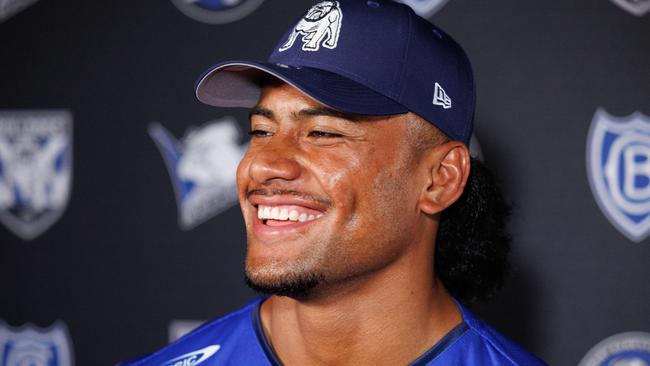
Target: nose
275,161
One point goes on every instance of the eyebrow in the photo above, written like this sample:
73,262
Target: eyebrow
260,111
307,112
320,111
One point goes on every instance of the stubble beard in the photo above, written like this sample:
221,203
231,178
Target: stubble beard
296,278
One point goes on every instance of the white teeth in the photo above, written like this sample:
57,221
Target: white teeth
284,214
293,215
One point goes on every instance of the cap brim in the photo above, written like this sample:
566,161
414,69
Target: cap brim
238,84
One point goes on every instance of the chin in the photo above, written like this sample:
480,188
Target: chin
290,283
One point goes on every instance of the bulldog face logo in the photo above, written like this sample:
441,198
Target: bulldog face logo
202,166
424,8
618,166
321,24
35,169
35,346
636,7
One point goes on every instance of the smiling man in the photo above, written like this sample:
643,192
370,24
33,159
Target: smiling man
368,223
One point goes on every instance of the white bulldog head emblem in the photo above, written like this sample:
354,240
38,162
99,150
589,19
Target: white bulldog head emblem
321,24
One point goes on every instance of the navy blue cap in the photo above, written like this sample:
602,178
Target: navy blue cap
362,57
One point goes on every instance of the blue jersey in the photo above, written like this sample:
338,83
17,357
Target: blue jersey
238,339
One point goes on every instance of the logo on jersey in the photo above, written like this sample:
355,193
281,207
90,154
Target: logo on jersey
203,167
424,8
193,358
33,346
10,7
624,349
321,24
441,98
35,169
636,7
217,11
618,167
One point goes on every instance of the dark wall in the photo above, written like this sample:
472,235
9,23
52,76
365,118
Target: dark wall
116,268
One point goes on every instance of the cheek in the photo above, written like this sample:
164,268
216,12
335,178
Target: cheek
377,227
242,175
387,205
339,182
340,177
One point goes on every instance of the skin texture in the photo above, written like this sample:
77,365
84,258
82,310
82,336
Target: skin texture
369,256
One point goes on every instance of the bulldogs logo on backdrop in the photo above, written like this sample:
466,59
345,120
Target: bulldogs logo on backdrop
424,8
10,7
35,169
618,165
179,328
217,11
636,7
202,167
33,346
624,349
321,23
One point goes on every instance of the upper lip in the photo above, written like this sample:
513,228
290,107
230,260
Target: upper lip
286,200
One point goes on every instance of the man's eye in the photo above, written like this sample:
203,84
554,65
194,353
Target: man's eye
324,134
259,133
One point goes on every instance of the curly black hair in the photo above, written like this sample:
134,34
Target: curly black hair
472,246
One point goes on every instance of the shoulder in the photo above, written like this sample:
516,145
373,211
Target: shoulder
481,344
227,340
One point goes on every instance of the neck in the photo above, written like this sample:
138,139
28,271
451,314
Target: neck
388,317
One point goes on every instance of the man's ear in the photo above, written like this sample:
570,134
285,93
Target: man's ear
448,167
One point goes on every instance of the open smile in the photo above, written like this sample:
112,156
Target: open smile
283,215
286,214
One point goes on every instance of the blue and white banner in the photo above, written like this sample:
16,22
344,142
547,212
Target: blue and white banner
203,168
636,7
618,167
35,169
8,8
624,349
33,346
424,8
217,11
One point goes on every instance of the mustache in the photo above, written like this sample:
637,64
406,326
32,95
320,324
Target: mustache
289,192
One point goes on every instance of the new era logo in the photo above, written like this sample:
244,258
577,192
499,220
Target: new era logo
441,98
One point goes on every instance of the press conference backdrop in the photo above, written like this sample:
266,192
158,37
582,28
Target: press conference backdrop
119,224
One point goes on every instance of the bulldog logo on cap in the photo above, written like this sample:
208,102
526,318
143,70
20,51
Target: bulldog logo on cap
321,23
